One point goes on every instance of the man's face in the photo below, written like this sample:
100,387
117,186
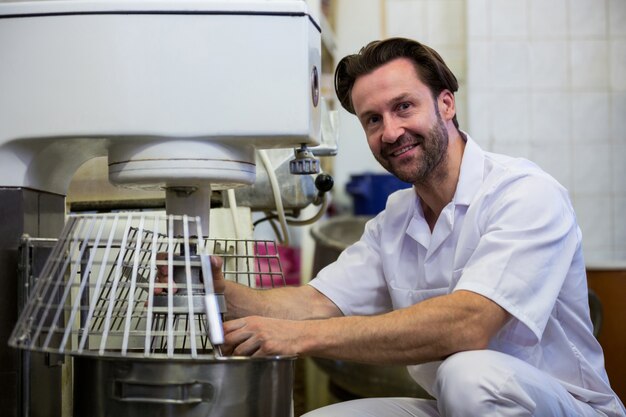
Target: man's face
401,121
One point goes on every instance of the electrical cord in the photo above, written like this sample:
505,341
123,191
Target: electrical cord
314,218
280,211
232,204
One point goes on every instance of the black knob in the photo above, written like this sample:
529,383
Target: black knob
324,183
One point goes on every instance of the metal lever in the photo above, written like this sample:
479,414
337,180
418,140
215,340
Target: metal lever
213,318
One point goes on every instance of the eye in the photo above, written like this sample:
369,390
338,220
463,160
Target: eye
403,106
370,120
373,119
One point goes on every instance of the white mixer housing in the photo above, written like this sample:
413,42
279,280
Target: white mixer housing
175,93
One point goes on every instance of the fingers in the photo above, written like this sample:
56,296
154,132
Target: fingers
161,267
162,281
218,276
258,336
240,338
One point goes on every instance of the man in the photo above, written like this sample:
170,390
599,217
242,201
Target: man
474,278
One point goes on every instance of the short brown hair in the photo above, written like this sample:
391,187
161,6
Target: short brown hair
429,66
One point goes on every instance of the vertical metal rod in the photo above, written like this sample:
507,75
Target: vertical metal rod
68,288
131,291
170,300
194,352
121,298
96,291
153,272
259,268
51,285
44,282
116,279
83,282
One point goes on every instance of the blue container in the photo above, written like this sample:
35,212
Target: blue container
370,191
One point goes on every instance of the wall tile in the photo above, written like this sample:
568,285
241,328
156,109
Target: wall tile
619,221
617,17
589,64
548,19
619,171
511,65
407,19
509,18
555,159
461,107
591,170
549,65
479,67
518,150
551,118
618,117
479,111
478,21
455,57
446,22
587,18
594,215
590,118
618,64
565,60
513,117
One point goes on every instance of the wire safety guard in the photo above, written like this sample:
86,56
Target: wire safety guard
98,294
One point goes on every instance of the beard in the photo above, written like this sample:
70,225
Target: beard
420,169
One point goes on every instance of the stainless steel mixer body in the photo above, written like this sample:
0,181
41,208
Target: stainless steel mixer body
221,387
160,96
138,352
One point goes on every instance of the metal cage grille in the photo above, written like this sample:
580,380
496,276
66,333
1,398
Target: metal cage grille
98,292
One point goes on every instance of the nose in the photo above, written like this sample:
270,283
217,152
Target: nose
392,130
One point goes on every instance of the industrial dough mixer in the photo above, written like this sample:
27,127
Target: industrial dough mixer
180,96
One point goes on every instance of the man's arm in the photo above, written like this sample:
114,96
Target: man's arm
430,330
292,303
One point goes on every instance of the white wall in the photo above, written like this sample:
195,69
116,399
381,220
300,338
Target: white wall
547,81
543,79
357,23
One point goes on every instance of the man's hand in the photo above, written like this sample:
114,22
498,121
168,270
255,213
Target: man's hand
162,275
160,283
262,336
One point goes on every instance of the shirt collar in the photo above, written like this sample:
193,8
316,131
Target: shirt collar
471,175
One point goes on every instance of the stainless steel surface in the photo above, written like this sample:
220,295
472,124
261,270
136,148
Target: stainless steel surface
296,191
30,388
36,367
226,387
143,347
349,379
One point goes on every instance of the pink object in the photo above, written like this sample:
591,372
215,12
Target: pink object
273,259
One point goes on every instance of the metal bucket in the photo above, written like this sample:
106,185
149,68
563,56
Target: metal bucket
220,387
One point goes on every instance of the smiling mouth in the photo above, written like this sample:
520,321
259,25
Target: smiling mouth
402,150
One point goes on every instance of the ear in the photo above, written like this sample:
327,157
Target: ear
447,105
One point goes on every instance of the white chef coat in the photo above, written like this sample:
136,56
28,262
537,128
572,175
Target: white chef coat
509,234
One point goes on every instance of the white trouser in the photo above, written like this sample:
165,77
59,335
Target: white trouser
475,383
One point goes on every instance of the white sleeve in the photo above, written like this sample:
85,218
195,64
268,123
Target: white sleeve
529,238
355,282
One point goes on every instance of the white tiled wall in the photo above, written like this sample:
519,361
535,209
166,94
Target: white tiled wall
543,79
547,80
